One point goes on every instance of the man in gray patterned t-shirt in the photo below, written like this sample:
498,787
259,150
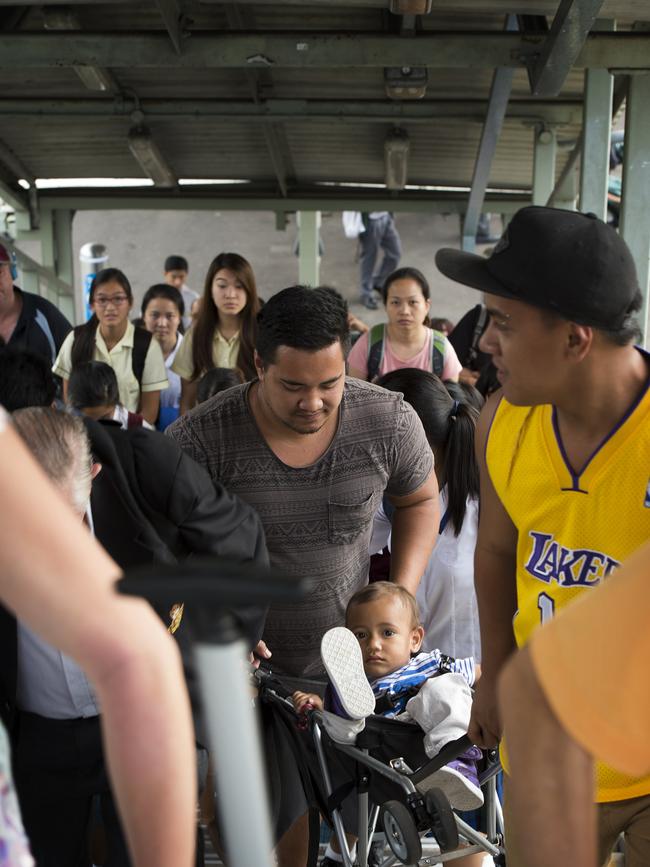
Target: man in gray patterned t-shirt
313,452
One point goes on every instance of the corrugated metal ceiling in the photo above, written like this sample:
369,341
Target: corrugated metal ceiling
442,151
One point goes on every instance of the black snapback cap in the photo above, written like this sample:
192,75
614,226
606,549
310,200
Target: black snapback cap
570,263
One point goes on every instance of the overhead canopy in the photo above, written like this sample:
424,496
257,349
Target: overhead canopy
292,97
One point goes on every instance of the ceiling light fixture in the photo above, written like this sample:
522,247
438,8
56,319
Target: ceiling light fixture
150,158
396,154
405,82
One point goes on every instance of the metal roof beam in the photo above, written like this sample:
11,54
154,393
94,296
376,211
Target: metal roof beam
566,38
307,199
172,15
15,198
440,50
558,112
18,171
498,104
47,274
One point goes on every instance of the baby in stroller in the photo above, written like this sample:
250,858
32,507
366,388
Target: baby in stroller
375,667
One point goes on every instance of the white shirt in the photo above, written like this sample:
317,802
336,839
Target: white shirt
171,396
189,297
446,597
49,683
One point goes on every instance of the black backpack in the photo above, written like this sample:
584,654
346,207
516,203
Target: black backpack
376,343
141,342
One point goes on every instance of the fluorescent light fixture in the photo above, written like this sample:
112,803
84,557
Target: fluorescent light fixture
23,183
435,188
396,154
151,160
196,182
95,78
405,82
361,184
72,183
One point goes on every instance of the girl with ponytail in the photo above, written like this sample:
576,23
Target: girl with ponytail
108,336
446,595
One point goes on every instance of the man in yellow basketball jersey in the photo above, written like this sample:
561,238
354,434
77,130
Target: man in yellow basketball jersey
563,449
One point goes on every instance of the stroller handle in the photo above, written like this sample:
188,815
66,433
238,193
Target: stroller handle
216,582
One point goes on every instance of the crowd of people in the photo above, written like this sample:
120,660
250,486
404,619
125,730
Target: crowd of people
492,473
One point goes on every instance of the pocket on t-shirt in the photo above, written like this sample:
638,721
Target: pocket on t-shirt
348,520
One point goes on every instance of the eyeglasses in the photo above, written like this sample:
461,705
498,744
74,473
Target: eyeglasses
116,300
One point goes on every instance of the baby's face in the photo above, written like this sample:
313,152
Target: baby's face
385,632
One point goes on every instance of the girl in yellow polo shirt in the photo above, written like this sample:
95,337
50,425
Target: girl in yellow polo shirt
109,336
224,332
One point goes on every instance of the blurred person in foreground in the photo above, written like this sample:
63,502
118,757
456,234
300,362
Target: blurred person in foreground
59,581
568,699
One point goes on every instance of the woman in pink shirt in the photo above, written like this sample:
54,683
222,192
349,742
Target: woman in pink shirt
406,340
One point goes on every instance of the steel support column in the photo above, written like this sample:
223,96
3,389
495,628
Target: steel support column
596,131
38,260
634,223
544,165
565,195
499,97
308,258
565,40
64,261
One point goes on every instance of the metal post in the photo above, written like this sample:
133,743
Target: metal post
92,258
308,258
29,280
499,96
544,165
48,255
594,163
64,262
634,224
235,743
566,194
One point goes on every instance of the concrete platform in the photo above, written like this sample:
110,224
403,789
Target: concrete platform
139,241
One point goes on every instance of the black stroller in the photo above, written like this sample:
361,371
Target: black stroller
399,818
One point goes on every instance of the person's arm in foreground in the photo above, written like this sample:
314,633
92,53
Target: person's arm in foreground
569,697
415,531
59,581
551,781
495,569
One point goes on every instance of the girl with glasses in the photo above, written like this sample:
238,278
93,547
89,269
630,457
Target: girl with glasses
110,337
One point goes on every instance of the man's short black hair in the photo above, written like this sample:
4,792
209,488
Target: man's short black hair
26,379
92,384
176,263
302,318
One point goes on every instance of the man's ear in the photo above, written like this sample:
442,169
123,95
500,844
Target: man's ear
259,365
579,340
95,470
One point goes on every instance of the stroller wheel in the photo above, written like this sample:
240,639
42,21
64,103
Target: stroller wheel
443,823
401,833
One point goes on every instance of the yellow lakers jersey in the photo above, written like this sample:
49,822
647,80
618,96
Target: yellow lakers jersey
574,526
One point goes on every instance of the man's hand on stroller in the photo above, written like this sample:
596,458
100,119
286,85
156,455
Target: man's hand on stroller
259,653
304,701
485,724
